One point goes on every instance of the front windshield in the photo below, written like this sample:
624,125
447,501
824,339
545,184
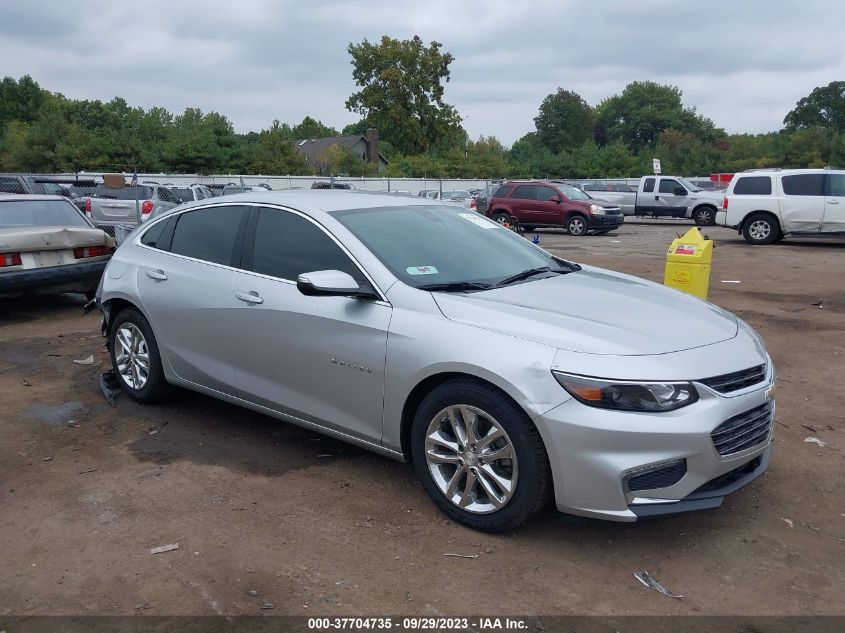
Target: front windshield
26,213
573,193
424,245
686,183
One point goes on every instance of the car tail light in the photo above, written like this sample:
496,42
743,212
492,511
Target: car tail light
88,207
146,207
90,251
725,203
10,259
472,204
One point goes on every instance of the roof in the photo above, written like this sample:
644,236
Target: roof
5,197
313,147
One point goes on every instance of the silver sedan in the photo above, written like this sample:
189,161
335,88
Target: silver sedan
506,375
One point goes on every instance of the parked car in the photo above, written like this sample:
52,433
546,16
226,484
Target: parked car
461,198
47,245
668,196
38,185
483,197
553,204
192,193
108,207
429,193
327,184
230,190
428,333
766,205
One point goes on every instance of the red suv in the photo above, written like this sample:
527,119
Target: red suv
553,204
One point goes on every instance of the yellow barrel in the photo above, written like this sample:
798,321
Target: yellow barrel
688,264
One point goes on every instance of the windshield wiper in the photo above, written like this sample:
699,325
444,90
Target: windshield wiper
454,286
525,274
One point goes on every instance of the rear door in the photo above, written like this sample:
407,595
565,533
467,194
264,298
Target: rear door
834,204
667,202
186,277
522,204
319,359
645,196
802,204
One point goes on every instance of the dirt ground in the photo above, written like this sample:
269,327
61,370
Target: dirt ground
268,514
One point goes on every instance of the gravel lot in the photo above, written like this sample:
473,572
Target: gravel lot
268,514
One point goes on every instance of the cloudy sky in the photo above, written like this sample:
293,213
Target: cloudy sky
742,63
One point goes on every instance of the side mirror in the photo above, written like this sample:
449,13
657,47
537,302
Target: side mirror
680,191
330,283
555,199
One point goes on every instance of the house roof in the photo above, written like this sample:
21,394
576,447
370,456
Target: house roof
313,147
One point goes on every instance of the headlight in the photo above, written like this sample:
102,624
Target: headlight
596,209
627,396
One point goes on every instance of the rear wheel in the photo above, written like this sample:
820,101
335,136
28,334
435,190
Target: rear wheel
479,457
135,357
704,216
760,229
502,217
576,225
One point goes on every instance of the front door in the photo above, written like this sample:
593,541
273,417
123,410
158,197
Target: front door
667,202
185,281
802,205
548,206
319,359
834,204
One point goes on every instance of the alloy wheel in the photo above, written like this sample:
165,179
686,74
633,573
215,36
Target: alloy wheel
576,226
132,356
759,230
471,459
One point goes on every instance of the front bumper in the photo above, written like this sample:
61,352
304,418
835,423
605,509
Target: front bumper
594,453
605,222
66,276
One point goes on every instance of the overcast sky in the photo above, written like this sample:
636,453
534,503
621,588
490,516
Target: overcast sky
743,63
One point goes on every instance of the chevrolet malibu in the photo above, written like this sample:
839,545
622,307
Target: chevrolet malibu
506,375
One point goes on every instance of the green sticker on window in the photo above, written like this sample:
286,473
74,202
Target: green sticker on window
421,270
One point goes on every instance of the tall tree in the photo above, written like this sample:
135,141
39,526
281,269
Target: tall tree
643,110
565,121
274,153
402,85
20,100
824,107
311,128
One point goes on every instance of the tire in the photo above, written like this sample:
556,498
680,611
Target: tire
502,217
127,327
704,216
760,229
576,225
529,228
528,476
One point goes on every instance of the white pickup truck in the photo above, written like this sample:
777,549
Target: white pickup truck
668,196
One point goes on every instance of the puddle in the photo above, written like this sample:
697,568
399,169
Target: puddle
56,415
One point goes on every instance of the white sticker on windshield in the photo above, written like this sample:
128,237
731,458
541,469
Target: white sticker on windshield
478,220
421,270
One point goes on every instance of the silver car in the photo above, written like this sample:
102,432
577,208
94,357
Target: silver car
428,333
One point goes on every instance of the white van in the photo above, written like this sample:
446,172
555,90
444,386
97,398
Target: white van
768,205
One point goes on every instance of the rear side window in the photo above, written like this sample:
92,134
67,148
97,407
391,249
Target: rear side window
287,245
168,196
524,192
803,185
648,186
209,234
753,186
502,191
836,185
11,185
153,235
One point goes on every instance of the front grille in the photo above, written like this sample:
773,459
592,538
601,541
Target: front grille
726,383
662,477
728,478
743,431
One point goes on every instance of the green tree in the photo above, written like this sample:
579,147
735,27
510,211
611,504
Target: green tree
402,92
20,100
824,107
643,110
311,128
274,153
201,143
565,121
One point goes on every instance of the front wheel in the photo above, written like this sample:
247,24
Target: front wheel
760,229
704,216
502,217
576,225
479,457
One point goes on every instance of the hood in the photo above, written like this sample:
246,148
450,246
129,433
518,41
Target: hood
51,238
594,311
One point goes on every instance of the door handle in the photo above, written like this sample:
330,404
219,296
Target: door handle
158,275
249,297
657,197
833,201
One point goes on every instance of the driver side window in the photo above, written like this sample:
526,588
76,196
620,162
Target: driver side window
287,245
544,194
667,185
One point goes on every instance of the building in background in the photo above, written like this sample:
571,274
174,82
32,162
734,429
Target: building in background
316,150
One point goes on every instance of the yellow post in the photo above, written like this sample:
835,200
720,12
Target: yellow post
688,264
